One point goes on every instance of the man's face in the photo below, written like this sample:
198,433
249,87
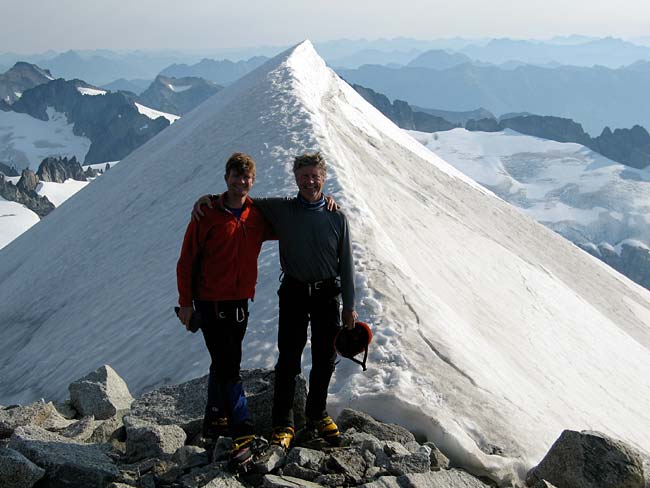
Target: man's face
239,184
310,181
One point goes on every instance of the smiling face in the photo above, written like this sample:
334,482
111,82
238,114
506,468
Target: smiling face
239,183
310,181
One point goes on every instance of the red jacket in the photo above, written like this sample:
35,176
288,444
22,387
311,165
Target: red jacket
225,250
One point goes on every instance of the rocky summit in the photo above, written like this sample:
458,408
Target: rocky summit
102,437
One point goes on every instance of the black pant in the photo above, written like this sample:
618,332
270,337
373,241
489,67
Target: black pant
224,327
300,305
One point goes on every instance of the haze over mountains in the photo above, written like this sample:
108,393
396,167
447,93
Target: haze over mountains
492,332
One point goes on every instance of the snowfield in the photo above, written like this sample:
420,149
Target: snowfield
154,114
26,141
86,90
492,334
580,194
14,220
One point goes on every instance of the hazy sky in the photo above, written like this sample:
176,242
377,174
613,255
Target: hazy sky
38,25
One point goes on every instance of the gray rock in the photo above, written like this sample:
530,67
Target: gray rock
392,448
437,458
222,449
363,422
67,463
274,481
199,477
16,471
119,485
374,472
332,480
66,409
224,480
184,404
297,471
355,438
411,463
347,462
453,478
109,431
101,393
589,460
307,458
81,431
271,460
543,484
145,440
39,414
191,457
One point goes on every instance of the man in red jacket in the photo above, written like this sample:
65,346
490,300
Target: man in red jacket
216,274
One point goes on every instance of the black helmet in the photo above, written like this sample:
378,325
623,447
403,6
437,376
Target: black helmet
350,342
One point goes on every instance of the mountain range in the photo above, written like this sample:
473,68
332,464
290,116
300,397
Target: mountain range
492,334
596,96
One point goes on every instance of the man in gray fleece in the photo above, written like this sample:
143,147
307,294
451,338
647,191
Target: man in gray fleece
315,251
318,271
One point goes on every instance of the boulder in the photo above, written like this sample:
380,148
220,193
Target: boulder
191,457
147,440
222,448
543,484
274,481
200,477
67,463
589,459
332,480
16,471
437,459
81,431
307,458
453,478
184,404
411,463
349,463
270,460
39,414
362,422
101,393
109,430
224,480
296,471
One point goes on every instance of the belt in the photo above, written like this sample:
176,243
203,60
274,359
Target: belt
313,286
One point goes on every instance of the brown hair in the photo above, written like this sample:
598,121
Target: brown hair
240,163
310,159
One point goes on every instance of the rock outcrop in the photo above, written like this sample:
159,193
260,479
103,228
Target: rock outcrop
151,448
24,193
177,95
60,169
21,77
111,121
402,114
102,394
589,460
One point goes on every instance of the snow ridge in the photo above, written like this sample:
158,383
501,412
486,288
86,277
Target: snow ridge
492,333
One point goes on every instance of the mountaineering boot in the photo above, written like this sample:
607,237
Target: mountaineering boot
282,436
214,427
244,449
327,429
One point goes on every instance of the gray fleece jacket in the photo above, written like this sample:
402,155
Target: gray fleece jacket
314,243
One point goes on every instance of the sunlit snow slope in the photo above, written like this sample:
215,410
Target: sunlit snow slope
491,332
580,194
